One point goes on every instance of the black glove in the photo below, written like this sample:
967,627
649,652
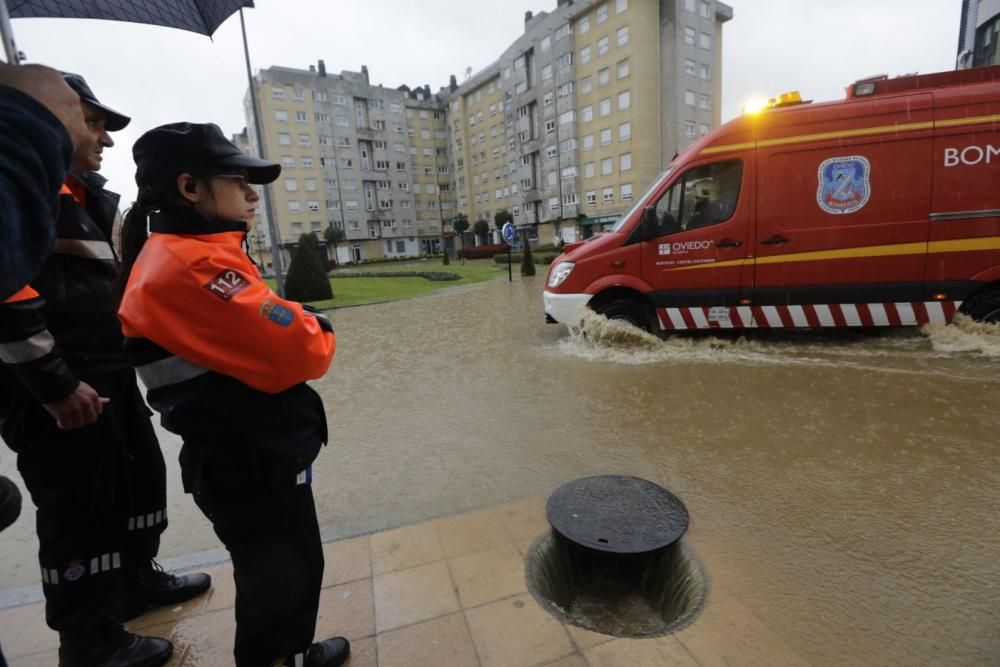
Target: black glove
10,502
324,321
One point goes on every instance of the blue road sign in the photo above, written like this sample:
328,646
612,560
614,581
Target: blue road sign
508,232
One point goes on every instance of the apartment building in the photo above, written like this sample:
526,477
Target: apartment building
363,158
479,145
430,168
978,34
565,130
581,112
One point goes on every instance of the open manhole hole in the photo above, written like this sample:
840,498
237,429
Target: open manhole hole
613,562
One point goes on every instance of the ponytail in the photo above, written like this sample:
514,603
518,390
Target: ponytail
159,193
133,236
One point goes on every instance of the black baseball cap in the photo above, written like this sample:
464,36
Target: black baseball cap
179,147
113,121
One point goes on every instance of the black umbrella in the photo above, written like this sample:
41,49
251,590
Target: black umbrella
200,16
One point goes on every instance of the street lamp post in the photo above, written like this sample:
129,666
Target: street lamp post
258,242
272,223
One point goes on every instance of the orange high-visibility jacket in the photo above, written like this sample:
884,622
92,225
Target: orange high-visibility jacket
196,294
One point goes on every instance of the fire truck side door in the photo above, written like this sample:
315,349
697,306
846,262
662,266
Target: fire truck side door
696,262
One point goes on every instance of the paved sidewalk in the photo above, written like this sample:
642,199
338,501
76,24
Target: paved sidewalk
445,592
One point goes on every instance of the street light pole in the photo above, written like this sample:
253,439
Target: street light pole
7,34
258,240
272,226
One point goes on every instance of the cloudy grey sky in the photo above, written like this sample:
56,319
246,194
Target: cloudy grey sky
158,75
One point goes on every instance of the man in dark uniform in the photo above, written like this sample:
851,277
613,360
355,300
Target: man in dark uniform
707,210
70,408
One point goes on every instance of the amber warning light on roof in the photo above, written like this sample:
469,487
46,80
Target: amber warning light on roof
756,105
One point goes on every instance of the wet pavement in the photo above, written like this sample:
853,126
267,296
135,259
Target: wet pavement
842,488
450,591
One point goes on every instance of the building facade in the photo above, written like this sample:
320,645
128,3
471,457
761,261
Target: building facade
978,34
564,130
368,160
584,109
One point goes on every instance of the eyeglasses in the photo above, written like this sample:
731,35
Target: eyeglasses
244,183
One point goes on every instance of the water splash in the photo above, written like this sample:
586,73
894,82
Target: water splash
600,339
964,335
617,342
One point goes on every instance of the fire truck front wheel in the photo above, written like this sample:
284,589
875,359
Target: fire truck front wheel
984,306
635,313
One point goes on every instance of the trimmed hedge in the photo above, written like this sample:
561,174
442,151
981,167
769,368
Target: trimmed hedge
516,258
306,279
429,275
386,260
482,251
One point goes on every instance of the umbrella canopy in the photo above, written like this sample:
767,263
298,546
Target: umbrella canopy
201,16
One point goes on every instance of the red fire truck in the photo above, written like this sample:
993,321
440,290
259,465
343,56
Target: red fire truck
882,209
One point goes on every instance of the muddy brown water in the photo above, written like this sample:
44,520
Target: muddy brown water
843,487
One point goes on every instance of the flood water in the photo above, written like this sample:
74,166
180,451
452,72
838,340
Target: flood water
843,487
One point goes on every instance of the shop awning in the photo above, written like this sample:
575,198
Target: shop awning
600,220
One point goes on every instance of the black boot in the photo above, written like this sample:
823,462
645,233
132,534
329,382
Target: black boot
330,652
127,650
154,588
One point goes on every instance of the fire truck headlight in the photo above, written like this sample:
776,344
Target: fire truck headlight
559,273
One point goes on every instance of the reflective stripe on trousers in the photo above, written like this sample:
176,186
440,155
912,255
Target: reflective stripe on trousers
304,477
147,520
103,563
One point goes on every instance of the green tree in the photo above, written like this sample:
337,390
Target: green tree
444,245
502,217
333,236
527,263
306,279
460,223
481,229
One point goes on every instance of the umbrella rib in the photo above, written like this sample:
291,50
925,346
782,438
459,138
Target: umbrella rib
204,19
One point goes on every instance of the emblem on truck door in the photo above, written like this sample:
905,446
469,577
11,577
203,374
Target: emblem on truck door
843,184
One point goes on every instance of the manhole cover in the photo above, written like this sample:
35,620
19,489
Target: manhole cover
617,514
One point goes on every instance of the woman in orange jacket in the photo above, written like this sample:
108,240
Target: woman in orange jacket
225,362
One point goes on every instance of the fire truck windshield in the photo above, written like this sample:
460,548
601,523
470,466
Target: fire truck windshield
638,202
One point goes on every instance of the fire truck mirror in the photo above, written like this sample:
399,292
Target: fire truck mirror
650,224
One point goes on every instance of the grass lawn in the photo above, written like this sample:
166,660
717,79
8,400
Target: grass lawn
357,291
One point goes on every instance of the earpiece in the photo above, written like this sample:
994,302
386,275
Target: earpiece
190,187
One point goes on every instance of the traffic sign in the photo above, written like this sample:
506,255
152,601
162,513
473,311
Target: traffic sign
508,232
508,235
